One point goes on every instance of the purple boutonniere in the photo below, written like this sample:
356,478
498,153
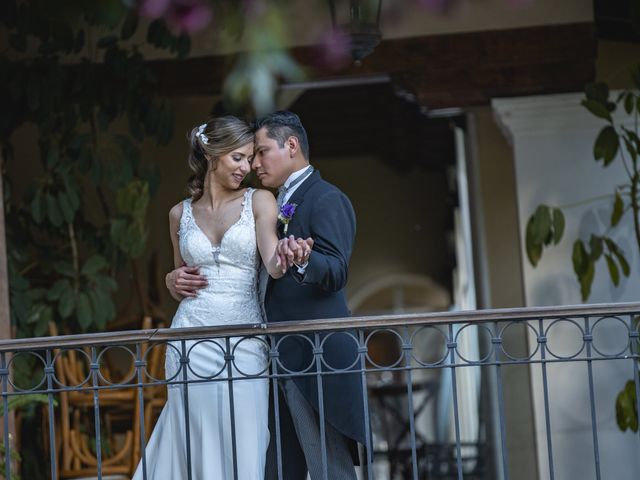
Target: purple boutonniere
286,214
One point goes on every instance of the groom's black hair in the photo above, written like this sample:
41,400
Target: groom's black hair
281,125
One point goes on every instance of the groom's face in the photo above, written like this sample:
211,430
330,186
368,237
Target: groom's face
272,163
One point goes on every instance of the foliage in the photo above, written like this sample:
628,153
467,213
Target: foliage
90,118
16,403
614,143
626,410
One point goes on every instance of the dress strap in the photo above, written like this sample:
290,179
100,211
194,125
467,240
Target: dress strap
187,216
247,203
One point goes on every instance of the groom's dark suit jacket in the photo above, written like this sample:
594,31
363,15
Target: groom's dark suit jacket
325,214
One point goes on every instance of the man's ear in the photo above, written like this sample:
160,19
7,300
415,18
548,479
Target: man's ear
293,145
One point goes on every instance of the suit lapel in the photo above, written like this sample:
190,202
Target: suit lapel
298,195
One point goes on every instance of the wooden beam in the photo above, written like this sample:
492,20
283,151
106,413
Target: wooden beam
452,70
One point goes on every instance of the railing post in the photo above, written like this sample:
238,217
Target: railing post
317,352
542,340
362,351
274,355
49,371
139,365
407,348
184,364
228,358
452,345
588,340
496,341
95,368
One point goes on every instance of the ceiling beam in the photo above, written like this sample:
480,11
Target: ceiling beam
451,70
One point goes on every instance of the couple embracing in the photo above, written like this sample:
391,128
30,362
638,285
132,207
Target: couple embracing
222,236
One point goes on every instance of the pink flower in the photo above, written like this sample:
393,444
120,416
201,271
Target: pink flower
153,8
189,16
334,49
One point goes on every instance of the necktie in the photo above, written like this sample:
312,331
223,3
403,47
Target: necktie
282,191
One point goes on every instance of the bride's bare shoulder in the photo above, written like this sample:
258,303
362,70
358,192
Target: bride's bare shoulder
262,195
176,212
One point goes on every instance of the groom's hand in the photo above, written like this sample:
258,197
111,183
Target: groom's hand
185,281
296,251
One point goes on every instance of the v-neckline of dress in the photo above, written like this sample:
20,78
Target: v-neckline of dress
219,245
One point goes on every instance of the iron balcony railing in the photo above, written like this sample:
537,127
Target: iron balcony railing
401,361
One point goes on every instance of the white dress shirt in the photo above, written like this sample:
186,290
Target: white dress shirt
300,268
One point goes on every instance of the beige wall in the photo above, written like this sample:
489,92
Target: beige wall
400,218
307,19
613,63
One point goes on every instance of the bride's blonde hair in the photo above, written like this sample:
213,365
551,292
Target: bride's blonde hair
214,138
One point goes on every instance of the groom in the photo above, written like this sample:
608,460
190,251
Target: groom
311,289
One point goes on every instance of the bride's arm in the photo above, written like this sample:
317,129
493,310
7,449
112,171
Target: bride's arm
183,281
265,213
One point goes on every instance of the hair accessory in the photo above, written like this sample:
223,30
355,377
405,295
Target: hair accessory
203,138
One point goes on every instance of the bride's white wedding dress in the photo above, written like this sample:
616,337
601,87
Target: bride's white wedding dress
230,298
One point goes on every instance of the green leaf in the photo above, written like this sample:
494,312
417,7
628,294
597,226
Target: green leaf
613,269
586,280
541,224
619,254
93,265
595,243
84,311
64,268
129,26
580,258
598,92
66,303
598,109
630,148
58,288
18,402
607,145
618,209
53,211
36,207
558,225
626,410
584,268
65,207
52,157
624,265
102,306
629,103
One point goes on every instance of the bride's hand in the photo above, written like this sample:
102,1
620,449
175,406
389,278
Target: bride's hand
294,251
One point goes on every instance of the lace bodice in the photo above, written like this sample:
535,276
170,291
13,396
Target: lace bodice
230,267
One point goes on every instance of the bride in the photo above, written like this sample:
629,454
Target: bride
223,231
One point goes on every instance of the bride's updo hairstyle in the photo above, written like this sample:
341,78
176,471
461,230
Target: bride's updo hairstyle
214,138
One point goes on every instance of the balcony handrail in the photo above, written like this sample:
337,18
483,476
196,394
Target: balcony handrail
310,326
